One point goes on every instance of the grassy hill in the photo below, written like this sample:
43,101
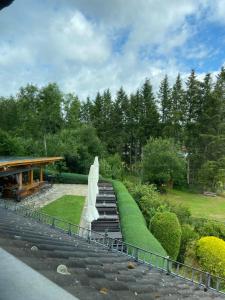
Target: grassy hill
200,205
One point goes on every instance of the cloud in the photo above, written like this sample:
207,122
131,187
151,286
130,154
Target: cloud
86,46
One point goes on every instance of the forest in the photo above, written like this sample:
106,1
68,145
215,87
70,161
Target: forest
173,136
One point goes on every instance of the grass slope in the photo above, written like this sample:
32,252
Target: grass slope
200,205
68,208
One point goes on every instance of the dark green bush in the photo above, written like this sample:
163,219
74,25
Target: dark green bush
188,235
133,224
72,178
210,228
112,167
166,228
183,212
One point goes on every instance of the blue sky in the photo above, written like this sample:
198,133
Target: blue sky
87,46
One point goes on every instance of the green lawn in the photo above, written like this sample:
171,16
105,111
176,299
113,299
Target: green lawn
68,208
200,206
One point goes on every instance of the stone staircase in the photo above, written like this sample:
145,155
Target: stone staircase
106,205
93,271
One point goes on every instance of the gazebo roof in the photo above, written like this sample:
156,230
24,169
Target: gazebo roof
7,162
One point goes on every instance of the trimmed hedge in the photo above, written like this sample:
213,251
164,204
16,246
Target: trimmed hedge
166,228
210,252
132,222
70,178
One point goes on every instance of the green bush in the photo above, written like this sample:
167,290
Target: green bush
72,178
210,252
111,167
210,228
188,235
147,198
132,222
183,212
166,228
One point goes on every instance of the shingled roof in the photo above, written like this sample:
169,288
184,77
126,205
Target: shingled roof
95,273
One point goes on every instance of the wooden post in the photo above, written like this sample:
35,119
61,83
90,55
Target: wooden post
41,174
31,176
20,180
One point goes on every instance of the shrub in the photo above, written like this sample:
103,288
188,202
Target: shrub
183,212
210,252
210,228
111,167
72,178
147,198
166,228
188,235
132,222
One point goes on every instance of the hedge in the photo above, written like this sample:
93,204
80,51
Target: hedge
166,228
210,252
70,178
132,222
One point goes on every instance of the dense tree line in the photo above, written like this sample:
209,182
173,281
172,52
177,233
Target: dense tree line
45,121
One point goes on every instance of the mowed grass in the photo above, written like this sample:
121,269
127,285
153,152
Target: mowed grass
200,205
68,208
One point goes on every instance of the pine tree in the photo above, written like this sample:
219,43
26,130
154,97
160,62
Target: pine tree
193,108
165,101
86,111
150,115
177,111
119,124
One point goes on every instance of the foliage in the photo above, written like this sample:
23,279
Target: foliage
166,228
46,121
132,221
72,178
111,167
182,212
212,175
188,235
210,252
9,145
210,228
162,162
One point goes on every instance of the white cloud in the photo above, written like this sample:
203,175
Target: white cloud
73,42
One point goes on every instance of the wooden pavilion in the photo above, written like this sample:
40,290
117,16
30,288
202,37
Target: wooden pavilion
17,175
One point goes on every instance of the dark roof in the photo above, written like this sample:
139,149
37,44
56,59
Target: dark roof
95,273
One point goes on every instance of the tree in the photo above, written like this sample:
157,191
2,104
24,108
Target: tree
150,115
72,111
178,111
164,96
119,132
163,162
86,111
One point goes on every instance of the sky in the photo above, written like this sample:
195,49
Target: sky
88,46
